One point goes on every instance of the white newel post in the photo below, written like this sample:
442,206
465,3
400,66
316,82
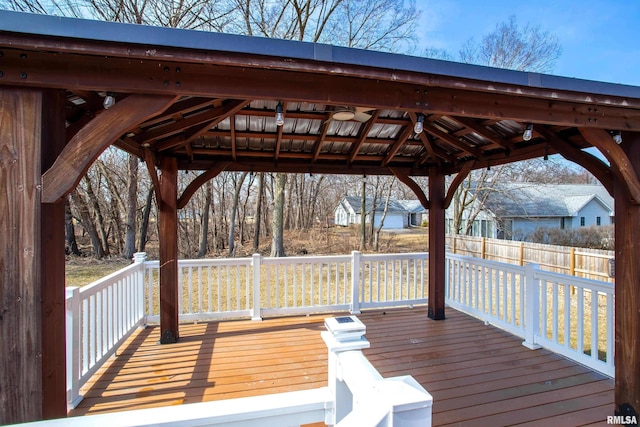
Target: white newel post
532,307
355,282
140,258
342,334
360,395
256,311
73,346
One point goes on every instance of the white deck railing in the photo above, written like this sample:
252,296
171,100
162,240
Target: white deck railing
100,317
569,315
525,301
260,286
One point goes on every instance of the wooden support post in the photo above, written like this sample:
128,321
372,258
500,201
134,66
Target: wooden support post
20,305
52,261
627,289
483,247
168,221
436,245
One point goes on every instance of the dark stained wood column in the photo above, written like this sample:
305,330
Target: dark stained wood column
627,288
20,306
168,202
52,262
436,245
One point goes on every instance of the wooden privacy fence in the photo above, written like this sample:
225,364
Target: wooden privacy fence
593,264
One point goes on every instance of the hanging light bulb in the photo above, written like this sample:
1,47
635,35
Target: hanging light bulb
419,126
528,132
109,100
279,115
617,137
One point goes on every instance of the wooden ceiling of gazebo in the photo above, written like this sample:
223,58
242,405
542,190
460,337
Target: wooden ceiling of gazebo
227,88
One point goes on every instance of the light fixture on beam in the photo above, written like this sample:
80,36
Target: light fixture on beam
546,153
279,115
617,137
419,126
109,100
528,132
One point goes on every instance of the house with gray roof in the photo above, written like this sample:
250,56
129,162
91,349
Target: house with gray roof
400,213
514,211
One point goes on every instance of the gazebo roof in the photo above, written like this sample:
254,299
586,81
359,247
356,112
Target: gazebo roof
225,90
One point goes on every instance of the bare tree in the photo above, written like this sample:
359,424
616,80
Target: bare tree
509,46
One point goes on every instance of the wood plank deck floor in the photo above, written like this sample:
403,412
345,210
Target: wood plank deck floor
478,375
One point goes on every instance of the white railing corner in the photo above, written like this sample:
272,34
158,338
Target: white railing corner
73,346
360,396
356,258
532,307
256,310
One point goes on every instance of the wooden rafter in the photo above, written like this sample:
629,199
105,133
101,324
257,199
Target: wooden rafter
364,133
85,147
317,147
430,128
482,131
402,138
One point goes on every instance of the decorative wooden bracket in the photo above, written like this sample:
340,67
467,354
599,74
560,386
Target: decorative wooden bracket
461,176
90,141
406,180
597,167
199,181
150,161
618,159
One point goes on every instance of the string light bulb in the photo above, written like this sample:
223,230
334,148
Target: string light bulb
279,115
617,137
419,126
109,100
528,132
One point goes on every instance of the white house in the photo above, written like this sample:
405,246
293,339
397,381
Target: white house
514,211
400,214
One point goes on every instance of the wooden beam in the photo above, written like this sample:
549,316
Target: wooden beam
20,276
323,134
620,163
85,147
52,266
437,247
482,131
430,128
627,289
199,181
402,138
460,177
168,222
364,134
406,180
477,99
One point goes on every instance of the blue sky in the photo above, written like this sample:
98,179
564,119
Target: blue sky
600,39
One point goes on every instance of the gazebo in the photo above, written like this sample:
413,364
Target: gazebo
188,100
